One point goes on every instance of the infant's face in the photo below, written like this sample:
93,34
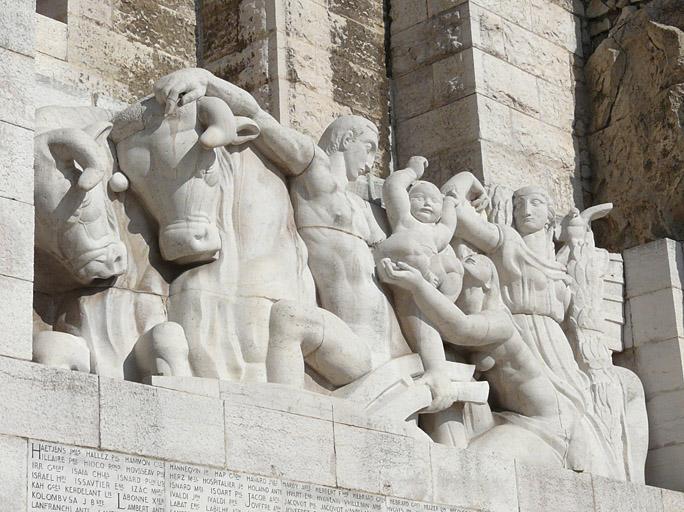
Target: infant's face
426,202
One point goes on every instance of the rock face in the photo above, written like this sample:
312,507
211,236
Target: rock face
636,85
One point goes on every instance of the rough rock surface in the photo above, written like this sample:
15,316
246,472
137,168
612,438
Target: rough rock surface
636,84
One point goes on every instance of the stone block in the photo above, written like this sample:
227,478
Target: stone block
666,419
468,479
16,163
156,422
665,468
557,24
16,239
279,444
557,105
193,385
660,365
436,6
13,470
48,404
654,266
673,501
435,38
611,495
16,89
454,77
406,13
413,93
657,316
522,48
382,463
505,83
16,297
51,37
541,489
17,20
277,397
347,412
95,10
453,125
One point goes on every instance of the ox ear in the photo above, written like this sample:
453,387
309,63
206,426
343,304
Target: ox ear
246,130
99,131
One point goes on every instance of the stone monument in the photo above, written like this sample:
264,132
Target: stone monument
233,313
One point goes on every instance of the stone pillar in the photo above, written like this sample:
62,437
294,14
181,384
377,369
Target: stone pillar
494,87
655,350
16,176
110,52
306,61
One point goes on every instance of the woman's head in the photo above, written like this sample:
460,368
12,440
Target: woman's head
532,210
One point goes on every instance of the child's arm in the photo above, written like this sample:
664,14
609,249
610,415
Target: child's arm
447,223
395,193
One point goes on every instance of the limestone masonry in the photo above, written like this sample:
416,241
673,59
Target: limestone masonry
341,255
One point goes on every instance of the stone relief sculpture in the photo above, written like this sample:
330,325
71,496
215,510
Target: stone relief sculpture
204,239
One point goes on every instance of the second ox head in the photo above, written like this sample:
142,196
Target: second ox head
75,221
170,161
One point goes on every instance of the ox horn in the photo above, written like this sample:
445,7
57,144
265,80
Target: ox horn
83,148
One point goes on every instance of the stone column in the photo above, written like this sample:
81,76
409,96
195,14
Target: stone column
16,176
492,86
655,350
306,61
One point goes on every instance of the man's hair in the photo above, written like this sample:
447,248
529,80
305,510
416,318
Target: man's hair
332,136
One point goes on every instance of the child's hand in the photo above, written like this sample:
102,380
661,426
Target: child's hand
418,164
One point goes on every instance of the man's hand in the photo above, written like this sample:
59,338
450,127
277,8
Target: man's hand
439,383
182,87
417,164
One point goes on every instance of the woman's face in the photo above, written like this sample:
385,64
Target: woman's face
531,213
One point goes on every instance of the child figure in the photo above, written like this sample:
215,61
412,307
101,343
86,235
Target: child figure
423,223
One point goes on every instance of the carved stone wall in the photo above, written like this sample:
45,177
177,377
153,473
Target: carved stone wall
16,176
494,87
306,61
110,52
636,79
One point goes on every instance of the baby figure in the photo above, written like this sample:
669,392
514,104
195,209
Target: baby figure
423,223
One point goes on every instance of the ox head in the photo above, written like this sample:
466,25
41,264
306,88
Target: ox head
75,221
170,161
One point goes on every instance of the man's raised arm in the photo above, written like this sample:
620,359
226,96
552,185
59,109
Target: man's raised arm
291,150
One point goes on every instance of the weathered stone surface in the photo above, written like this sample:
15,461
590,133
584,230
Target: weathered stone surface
279,398
666,419
16,163
657,316
13,470
16,239
16,324
382,463
654,266
610,495
672,501
18,22
279,444
51,37
557,490
16,88
155,422
48,404
634,79
406,13
468,479
660,365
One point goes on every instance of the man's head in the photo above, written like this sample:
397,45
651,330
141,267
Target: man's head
356,138
426,202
